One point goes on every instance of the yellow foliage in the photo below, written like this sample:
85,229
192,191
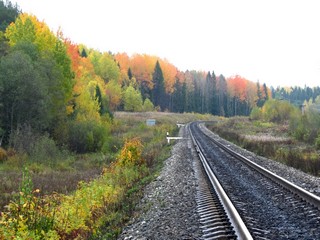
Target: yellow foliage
131,153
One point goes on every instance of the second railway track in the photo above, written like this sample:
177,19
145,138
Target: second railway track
267,207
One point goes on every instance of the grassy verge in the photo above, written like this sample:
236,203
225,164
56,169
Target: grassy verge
270,140
96,203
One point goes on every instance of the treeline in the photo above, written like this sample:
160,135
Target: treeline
49,84
296,95
191,91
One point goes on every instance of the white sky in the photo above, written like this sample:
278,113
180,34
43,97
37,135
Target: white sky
273,41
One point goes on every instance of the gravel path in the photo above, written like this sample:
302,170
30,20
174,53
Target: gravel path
168,208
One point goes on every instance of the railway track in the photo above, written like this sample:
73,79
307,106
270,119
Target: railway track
259,205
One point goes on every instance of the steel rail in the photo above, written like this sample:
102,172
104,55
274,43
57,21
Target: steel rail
304,194
239,226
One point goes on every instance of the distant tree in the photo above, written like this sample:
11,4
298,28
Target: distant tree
147,105
211,101
178,97
265,92
4,45
132,100
129,74
260,100
84,53
8,14
99,99
158,91
105,66
24,93
113,94
222,95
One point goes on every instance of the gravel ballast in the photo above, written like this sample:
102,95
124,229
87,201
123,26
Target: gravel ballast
168,208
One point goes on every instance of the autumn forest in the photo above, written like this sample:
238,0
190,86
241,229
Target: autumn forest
60,97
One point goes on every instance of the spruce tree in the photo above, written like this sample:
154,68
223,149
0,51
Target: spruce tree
158,91
130,73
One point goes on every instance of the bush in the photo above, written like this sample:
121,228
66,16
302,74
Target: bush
3,155
317,142
46,151
255,114
277,111
131,153
23,139
306,127
87,136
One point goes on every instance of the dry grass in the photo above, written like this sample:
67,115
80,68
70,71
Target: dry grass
64,177
267,139
270,140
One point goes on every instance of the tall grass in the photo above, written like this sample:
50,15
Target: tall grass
270,140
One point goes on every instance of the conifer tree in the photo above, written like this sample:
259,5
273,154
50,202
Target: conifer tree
158,91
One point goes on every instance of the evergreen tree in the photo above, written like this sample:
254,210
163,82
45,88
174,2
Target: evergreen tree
84,53
265,91
214,105
130,73
260,100
8,14
158,91
103,108
222,96
178,97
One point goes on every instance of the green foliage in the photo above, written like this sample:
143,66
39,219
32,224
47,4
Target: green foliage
317,142
277,111
132,100
256,113
305,127
29,217
45,151
44,70
158,91
23,139
23,93
8,14
274,111
105,66
87,136
147,105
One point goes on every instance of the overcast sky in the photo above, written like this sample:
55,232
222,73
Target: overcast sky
271,41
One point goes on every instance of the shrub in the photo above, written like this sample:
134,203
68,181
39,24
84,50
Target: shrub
87,136
255,114
3,155
317,142
277,111
23,139
131,153
29,217
46,151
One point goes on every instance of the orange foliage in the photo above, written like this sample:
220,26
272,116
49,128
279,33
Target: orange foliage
142,67
169,74
73,52
237,87
124,62
181,77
